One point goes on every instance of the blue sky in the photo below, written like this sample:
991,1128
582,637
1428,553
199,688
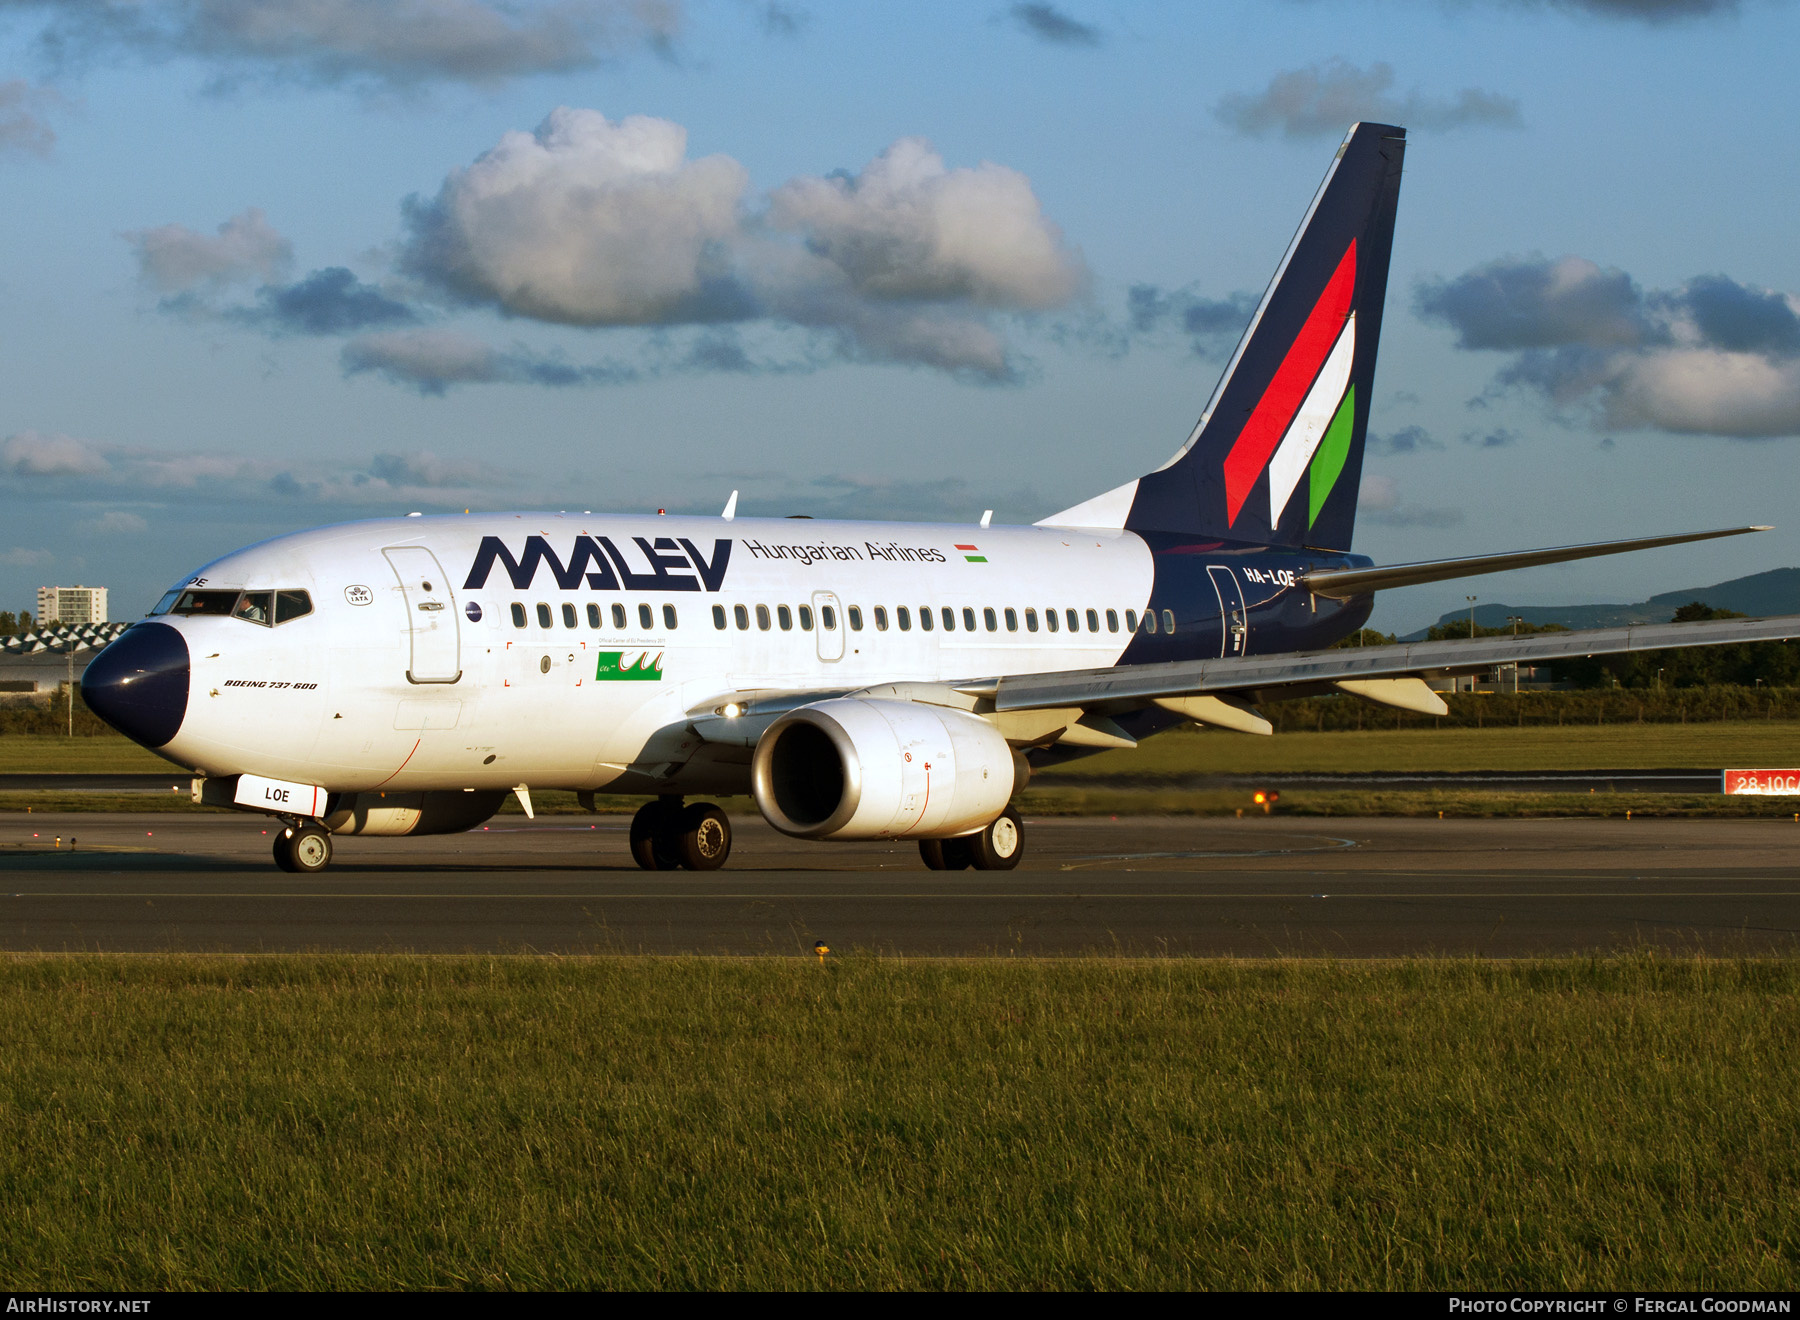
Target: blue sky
275,263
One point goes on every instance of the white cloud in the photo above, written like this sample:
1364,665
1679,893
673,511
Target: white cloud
590,222
585,221
1325,99
23,557
394,43
115,523
909,228
1709,357
22,126
174,258
33,454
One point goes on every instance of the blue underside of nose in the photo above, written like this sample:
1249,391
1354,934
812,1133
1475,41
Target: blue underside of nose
139,684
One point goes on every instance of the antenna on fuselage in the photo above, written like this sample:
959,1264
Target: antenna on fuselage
987,516
730,507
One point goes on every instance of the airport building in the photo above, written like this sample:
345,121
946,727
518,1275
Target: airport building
72,605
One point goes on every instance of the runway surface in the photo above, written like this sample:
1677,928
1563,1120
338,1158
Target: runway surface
1253,887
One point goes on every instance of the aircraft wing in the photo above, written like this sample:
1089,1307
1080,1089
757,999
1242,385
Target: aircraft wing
1136,685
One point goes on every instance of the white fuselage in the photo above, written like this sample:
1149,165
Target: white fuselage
412,671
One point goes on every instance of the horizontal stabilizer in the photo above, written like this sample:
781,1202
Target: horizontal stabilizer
1343,583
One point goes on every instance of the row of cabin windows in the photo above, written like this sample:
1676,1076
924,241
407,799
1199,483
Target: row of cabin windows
646,617
903,618
785,617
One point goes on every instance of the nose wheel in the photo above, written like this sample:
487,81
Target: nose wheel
666,835
304,849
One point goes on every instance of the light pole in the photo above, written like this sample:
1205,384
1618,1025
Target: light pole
1471,601
1515,621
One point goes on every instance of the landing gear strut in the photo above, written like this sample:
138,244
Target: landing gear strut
305,848
996,848
666,835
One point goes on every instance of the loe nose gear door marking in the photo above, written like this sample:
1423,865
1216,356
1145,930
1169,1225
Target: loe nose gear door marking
1234,623
829,616
431,615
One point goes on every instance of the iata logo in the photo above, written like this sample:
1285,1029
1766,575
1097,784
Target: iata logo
594,560
359,595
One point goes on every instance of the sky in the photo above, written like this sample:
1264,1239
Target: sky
270,264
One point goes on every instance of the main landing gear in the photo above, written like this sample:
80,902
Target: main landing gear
305,848
666,835
996,848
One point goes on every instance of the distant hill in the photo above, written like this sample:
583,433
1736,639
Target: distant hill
1774,592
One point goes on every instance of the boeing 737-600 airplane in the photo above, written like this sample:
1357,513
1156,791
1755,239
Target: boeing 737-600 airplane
860,680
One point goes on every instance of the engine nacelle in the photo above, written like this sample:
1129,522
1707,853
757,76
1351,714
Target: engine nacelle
440,812
854,768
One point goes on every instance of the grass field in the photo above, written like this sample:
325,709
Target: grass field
1147,779
339,1122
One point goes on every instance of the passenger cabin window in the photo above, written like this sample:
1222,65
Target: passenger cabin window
206,602
1112,621
1093,621
1130,620
925,617
1075,620
881,618
618,613
742,616
1149,621
1049,619
1168,620
827,618
855,613
806,618
290,605
762,617
594,617
257,607
646,620
1012,619
568,613
670,621
785,617
950,619
903,617
969,619
987,617
543,613
719,617
518,613
1030,620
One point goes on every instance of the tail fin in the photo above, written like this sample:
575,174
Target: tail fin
1276,458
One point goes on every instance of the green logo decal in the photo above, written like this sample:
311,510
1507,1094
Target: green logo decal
612,667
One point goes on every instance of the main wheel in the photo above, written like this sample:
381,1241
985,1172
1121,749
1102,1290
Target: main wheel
946,854
655,836
1000,846
308,849
705,839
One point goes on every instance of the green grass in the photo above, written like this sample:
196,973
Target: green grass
341,1122
101,754
1741,743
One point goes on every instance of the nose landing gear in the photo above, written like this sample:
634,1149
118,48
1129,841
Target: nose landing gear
666,835
303,848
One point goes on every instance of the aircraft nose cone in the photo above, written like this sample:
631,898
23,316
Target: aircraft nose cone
139,684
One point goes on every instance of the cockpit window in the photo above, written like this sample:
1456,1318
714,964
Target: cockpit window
291,605
257,607
167,603
205,602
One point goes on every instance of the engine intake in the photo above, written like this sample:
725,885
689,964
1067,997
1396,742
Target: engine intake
855,768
